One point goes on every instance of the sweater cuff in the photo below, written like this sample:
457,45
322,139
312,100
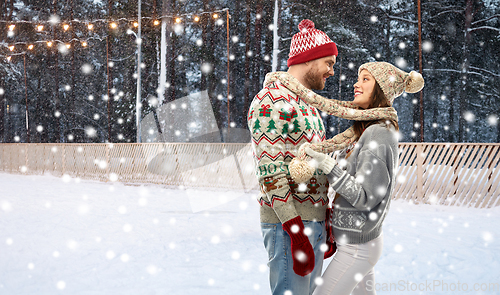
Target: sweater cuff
335,175
327,165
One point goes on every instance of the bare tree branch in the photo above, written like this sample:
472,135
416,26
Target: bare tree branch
486,19
485,71
484,28
447,11
389,16
402,19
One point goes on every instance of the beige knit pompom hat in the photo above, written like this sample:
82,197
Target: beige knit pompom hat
392,80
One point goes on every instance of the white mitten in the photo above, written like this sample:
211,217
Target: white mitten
320,160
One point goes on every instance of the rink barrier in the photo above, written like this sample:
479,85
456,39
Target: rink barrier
464,174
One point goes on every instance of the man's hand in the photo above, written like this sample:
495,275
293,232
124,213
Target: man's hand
302,251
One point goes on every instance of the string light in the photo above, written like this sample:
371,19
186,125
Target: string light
90,24
9,58
186,15
136,24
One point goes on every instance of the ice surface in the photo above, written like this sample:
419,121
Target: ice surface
71,236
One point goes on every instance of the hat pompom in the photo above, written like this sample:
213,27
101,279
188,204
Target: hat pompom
305,25
300,170
414,82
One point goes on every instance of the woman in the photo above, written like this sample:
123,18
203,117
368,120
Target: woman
363,179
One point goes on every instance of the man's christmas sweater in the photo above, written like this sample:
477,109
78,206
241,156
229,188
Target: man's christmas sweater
280,122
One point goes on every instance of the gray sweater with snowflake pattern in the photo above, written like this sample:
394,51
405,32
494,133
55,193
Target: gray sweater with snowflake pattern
365,182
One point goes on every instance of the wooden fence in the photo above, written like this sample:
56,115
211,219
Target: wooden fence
454,174
434,173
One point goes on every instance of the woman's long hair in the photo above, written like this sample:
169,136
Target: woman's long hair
378,101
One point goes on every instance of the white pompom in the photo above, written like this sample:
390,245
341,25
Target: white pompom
300,170
414,82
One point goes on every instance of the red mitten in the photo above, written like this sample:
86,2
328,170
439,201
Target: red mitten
302,251
330,241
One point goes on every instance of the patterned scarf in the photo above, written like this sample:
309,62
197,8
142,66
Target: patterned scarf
338,108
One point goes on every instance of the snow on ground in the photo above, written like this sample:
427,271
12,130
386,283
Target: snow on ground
71,236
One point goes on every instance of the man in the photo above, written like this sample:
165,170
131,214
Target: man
292,215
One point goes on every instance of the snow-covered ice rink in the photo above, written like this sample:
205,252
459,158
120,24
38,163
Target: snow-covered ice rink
72,236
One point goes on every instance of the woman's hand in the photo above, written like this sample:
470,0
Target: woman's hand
320,160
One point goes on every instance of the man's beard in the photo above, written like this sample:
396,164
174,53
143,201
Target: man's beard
314,79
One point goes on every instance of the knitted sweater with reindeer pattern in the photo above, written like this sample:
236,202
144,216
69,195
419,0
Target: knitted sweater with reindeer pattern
280,122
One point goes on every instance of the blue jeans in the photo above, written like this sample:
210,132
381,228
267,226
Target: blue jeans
351,269
278,246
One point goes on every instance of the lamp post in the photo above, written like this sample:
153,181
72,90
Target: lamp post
420,70
26,100
138,105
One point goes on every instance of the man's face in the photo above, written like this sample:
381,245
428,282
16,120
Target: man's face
319,70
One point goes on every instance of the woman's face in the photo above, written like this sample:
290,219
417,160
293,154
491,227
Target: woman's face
363,89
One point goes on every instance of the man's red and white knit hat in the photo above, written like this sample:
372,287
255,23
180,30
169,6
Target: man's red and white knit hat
310,44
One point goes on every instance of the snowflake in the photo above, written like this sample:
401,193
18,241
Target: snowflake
61,285
493,120
358,277
86,69
206,68
398,248
152,269
401,62
124,257
179,29
90,131
487,236
469,116
54,19
235,255
427,46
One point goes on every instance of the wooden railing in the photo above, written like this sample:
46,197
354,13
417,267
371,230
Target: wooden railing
454,174
434,173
